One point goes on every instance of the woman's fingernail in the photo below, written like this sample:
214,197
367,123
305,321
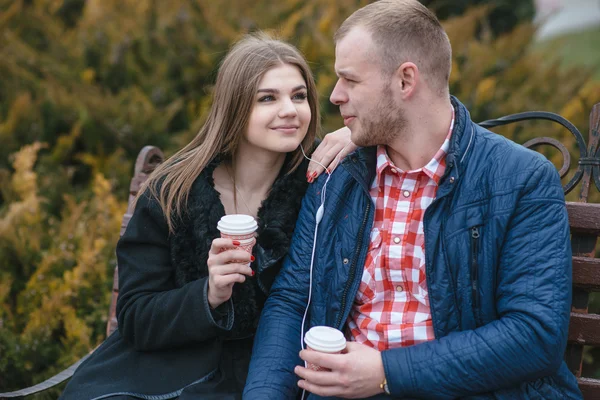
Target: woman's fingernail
236,243
252,258
314,175
252,273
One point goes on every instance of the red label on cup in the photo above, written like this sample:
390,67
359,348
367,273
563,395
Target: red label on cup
316,367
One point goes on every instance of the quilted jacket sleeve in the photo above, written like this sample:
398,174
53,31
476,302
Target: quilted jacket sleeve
277,341
533,296
153,313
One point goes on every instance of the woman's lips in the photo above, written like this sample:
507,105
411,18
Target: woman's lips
289,129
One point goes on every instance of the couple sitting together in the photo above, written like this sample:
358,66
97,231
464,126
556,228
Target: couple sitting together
439,249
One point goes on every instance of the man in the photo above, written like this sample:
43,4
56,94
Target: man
443,251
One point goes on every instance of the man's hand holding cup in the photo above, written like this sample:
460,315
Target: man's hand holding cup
339,369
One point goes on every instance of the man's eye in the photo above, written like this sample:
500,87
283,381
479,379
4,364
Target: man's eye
266,98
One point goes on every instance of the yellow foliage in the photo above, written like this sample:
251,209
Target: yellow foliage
19,224
573,109
485,90
8,14
88,75
18,110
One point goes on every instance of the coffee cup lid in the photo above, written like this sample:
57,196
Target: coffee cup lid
237,224
325,339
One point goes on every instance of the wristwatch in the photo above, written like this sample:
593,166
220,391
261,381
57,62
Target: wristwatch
384,386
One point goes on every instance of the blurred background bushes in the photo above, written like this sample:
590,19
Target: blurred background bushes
85,84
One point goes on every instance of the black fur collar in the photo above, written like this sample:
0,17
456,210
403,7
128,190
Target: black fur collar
276,220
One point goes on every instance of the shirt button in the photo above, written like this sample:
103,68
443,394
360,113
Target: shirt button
396,240
346,261
406,193
399,289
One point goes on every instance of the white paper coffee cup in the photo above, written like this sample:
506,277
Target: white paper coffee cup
239,227
326,340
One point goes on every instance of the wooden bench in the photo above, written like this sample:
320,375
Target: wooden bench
584,219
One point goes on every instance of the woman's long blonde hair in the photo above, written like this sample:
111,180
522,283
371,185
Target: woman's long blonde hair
234,97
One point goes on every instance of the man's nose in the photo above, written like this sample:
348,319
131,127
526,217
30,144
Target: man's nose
338,95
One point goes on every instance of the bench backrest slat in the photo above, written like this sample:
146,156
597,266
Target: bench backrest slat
584,217
584,329
145,163
586,273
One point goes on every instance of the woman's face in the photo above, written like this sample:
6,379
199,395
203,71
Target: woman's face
280,116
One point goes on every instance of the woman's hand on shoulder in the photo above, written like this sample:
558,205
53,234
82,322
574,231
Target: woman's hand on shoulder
332,150
227,265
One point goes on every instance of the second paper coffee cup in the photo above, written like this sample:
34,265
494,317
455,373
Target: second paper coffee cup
239,227
326,340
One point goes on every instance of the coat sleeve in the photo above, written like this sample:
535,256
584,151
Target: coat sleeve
277,341
153,313
533,295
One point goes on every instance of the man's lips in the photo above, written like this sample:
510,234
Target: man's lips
348,119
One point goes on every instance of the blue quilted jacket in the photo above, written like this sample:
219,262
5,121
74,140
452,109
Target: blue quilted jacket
498,265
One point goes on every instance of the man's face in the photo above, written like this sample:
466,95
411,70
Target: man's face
364,92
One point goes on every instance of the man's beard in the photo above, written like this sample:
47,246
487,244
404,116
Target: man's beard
382,126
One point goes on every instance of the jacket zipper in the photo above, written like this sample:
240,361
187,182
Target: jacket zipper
353,266
475,235
428,267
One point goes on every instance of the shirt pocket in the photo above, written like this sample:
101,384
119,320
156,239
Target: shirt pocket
367,289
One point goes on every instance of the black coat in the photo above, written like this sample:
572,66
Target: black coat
168,337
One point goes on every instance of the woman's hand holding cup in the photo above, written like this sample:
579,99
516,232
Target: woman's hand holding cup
227,265
230,256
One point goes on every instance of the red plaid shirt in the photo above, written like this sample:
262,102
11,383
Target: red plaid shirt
391,308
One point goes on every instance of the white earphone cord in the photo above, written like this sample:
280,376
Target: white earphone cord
318,218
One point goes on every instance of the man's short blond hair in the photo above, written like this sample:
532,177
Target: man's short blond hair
405,30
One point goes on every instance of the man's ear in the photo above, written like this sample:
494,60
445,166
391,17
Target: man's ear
407,78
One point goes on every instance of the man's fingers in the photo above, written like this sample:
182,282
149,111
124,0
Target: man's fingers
331,361
324,391
321,378
351,346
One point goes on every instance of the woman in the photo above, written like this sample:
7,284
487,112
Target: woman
190,301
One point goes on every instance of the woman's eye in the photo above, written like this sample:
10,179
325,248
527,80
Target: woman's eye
300,96
266,98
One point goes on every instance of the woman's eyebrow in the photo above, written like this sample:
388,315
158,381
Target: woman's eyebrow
276,91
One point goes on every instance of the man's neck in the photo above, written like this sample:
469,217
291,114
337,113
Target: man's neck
424,136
